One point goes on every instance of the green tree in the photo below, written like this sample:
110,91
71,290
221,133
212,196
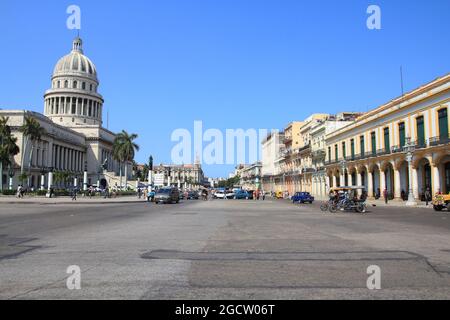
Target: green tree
124,149
8,147
32,131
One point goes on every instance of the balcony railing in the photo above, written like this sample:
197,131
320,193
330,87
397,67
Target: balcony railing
436,141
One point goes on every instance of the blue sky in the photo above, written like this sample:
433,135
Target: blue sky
230,63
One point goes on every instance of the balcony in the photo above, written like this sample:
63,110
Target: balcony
437,141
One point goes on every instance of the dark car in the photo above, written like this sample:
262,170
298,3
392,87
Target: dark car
302,197
192,195
250,194
167,195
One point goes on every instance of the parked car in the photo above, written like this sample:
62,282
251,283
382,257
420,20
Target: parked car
192,195
167,195
242,194
221,194
302,197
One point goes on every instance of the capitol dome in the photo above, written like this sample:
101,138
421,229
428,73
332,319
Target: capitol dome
75,62
73,98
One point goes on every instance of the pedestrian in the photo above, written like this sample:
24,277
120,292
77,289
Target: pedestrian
263,195
378,194
427,196
139,193
74,194
403,195
385,195
145,193
19,191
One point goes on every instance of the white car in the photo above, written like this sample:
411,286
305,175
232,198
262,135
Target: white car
221,194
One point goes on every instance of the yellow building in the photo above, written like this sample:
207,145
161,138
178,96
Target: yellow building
298,169
406,139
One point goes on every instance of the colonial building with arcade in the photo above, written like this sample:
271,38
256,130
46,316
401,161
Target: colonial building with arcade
401,146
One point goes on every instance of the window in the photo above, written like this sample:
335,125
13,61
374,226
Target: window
336,152
75,84
420,131
373,138
58,84
66,84
83,86
90,87
401,134
387,143
344,153
362,146
329,154
443,124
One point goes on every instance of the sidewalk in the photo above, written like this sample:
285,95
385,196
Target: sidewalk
397,203
391,203
68,200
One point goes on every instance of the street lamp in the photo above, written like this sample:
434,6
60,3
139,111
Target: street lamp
409,148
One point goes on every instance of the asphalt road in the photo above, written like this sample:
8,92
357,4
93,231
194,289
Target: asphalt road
222,250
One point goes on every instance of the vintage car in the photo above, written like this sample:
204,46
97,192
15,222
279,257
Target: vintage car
302,197
279,194
441,201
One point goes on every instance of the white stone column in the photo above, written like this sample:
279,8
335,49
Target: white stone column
85,180
415,183
370,184
359,182
382,182
350,178
436,179
11,183
42,182
50,180
334,181
397,184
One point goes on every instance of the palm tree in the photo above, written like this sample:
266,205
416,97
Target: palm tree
125,149
8,147
117,155
32,131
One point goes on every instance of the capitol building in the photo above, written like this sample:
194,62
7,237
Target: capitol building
75,140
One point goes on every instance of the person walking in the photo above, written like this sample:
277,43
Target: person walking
19,191
385,195
74,194
427,196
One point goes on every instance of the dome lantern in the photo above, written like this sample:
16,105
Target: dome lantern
78,45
